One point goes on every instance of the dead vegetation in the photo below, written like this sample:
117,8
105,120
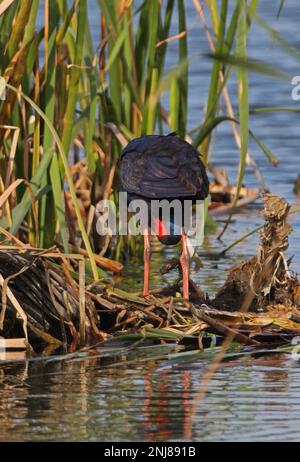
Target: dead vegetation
222,193
47,298
264,280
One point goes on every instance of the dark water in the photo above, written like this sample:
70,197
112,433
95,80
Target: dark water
142,394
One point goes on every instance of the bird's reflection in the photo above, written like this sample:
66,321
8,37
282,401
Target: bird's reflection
104,399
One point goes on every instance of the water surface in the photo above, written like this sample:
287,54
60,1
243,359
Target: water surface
108,399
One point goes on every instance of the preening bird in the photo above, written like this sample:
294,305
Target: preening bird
156,167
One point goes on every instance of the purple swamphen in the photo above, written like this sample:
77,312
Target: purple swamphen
156,167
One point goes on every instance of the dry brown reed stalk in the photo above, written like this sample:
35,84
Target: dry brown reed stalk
82,317
28,277
4,5
171,39
103,262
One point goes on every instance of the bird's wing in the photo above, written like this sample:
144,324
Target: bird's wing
131,172
169,169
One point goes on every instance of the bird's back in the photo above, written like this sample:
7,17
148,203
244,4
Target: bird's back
162,167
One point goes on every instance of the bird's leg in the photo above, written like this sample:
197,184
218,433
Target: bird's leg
146,261
185,265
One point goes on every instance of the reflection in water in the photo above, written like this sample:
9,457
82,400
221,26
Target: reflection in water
90,400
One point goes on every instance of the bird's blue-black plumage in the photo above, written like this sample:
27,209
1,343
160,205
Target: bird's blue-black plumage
163,167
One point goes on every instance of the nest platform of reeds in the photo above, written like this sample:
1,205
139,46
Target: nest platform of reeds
46,298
